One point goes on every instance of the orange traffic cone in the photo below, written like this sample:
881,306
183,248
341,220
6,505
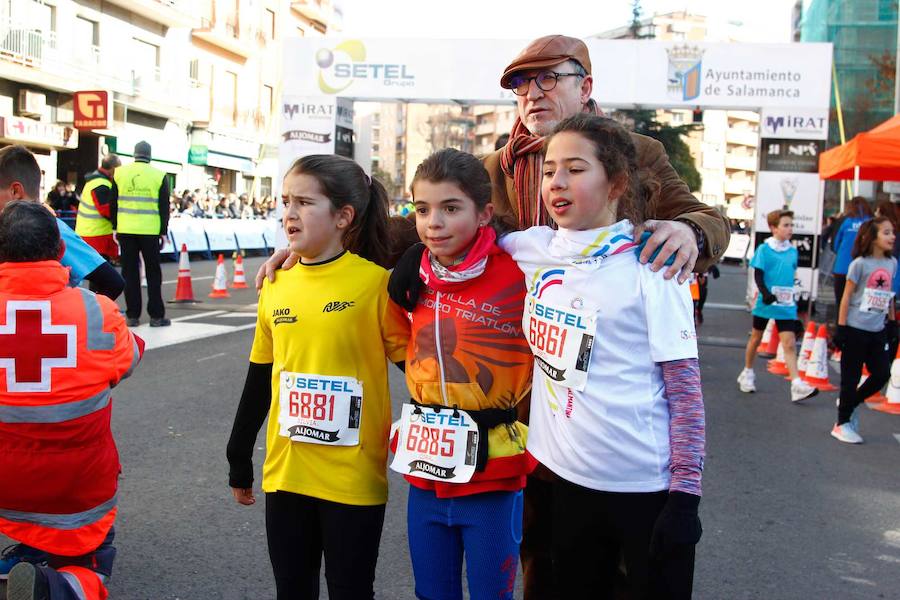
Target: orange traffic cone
184,292
763,349
806,348
777,366
877,396
240,282
774,342
817,367
891,403
219,289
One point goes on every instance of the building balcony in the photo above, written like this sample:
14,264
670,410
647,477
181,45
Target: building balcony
485,129
171,13
34,57
743,115
739,186
742,136
739,162
228,35
318,12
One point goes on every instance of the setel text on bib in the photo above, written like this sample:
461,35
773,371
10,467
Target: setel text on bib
320,409
561,340
441,445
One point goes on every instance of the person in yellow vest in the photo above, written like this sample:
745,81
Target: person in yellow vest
93,224
140,216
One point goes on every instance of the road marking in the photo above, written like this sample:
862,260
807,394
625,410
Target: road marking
892,537
170,281
723,306
857,580
210,313
212,357
722,342
238,315
888,558
181,333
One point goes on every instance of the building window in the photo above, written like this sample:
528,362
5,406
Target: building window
86,36
269,23
225,98
265,186
144,59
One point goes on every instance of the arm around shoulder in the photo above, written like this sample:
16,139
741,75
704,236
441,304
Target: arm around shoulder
676,202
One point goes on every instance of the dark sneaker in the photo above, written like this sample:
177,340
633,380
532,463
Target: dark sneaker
27,582
161,322
13,555
132,322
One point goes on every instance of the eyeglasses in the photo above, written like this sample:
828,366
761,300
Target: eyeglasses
545,80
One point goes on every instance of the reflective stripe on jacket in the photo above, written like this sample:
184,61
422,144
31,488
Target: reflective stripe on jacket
90,223
138,205
61,351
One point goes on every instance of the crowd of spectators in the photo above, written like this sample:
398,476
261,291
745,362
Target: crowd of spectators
211,205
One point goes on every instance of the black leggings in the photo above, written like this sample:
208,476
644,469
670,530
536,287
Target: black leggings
840,282
300,528
592,529
862,347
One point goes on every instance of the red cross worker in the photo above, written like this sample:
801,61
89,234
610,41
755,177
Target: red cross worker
62,350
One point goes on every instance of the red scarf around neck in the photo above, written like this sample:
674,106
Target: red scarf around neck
521,160
471,266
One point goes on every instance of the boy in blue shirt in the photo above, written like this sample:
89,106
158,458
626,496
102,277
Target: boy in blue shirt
774,264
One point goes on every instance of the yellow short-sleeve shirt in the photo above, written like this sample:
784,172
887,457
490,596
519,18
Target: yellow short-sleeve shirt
332,319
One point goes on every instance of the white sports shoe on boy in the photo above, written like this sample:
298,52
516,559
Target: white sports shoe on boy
800,390
747,381
846,433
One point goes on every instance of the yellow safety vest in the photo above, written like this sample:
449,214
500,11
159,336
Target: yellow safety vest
139,185
90,223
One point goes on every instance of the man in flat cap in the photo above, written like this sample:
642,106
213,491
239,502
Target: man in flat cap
140,217
551,79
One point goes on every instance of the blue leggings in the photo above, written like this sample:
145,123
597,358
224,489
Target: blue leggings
486,527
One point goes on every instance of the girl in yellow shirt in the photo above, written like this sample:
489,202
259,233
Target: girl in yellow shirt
318,369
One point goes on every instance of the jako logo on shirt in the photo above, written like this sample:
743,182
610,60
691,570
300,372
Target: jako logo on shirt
283,315
337,305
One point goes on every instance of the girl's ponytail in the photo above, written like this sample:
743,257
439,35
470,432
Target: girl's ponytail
368,236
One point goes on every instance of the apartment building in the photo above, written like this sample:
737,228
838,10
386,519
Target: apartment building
198,79
724,145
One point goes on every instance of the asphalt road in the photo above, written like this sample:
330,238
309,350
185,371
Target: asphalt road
788,512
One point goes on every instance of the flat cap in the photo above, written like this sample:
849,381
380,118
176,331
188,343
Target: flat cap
548,51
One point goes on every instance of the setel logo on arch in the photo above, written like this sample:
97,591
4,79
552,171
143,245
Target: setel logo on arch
340,66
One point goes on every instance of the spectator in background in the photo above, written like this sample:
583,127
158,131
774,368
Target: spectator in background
234,206
886,208
258,210
501,141
60,198
246,211
857,212
271,211
221,211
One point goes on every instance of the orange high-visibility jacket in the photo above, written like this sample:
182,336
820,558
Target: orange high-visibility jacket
62,350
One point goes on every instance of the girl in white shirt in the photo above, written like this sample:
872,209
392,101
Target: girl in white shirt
616,409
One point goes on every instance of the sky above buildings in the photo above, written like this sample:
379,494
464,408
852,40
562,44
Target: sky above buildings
766,21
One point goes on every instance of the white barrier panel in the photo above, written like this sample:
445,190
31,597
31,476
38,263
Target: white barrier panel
249,234
272,227
168,247
188,232
220,234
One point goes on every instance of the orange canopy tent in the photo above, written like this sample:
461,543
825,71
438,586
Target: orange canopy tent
870,156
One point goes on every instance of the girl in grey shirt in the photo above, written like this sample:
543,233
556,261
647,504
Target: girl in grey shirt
864,335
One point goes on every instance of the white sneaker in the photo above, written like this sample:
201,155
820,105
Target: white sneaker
846,434
800,390
747,381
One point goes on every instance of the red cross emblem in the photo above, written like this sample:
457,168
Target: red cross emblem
31,346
